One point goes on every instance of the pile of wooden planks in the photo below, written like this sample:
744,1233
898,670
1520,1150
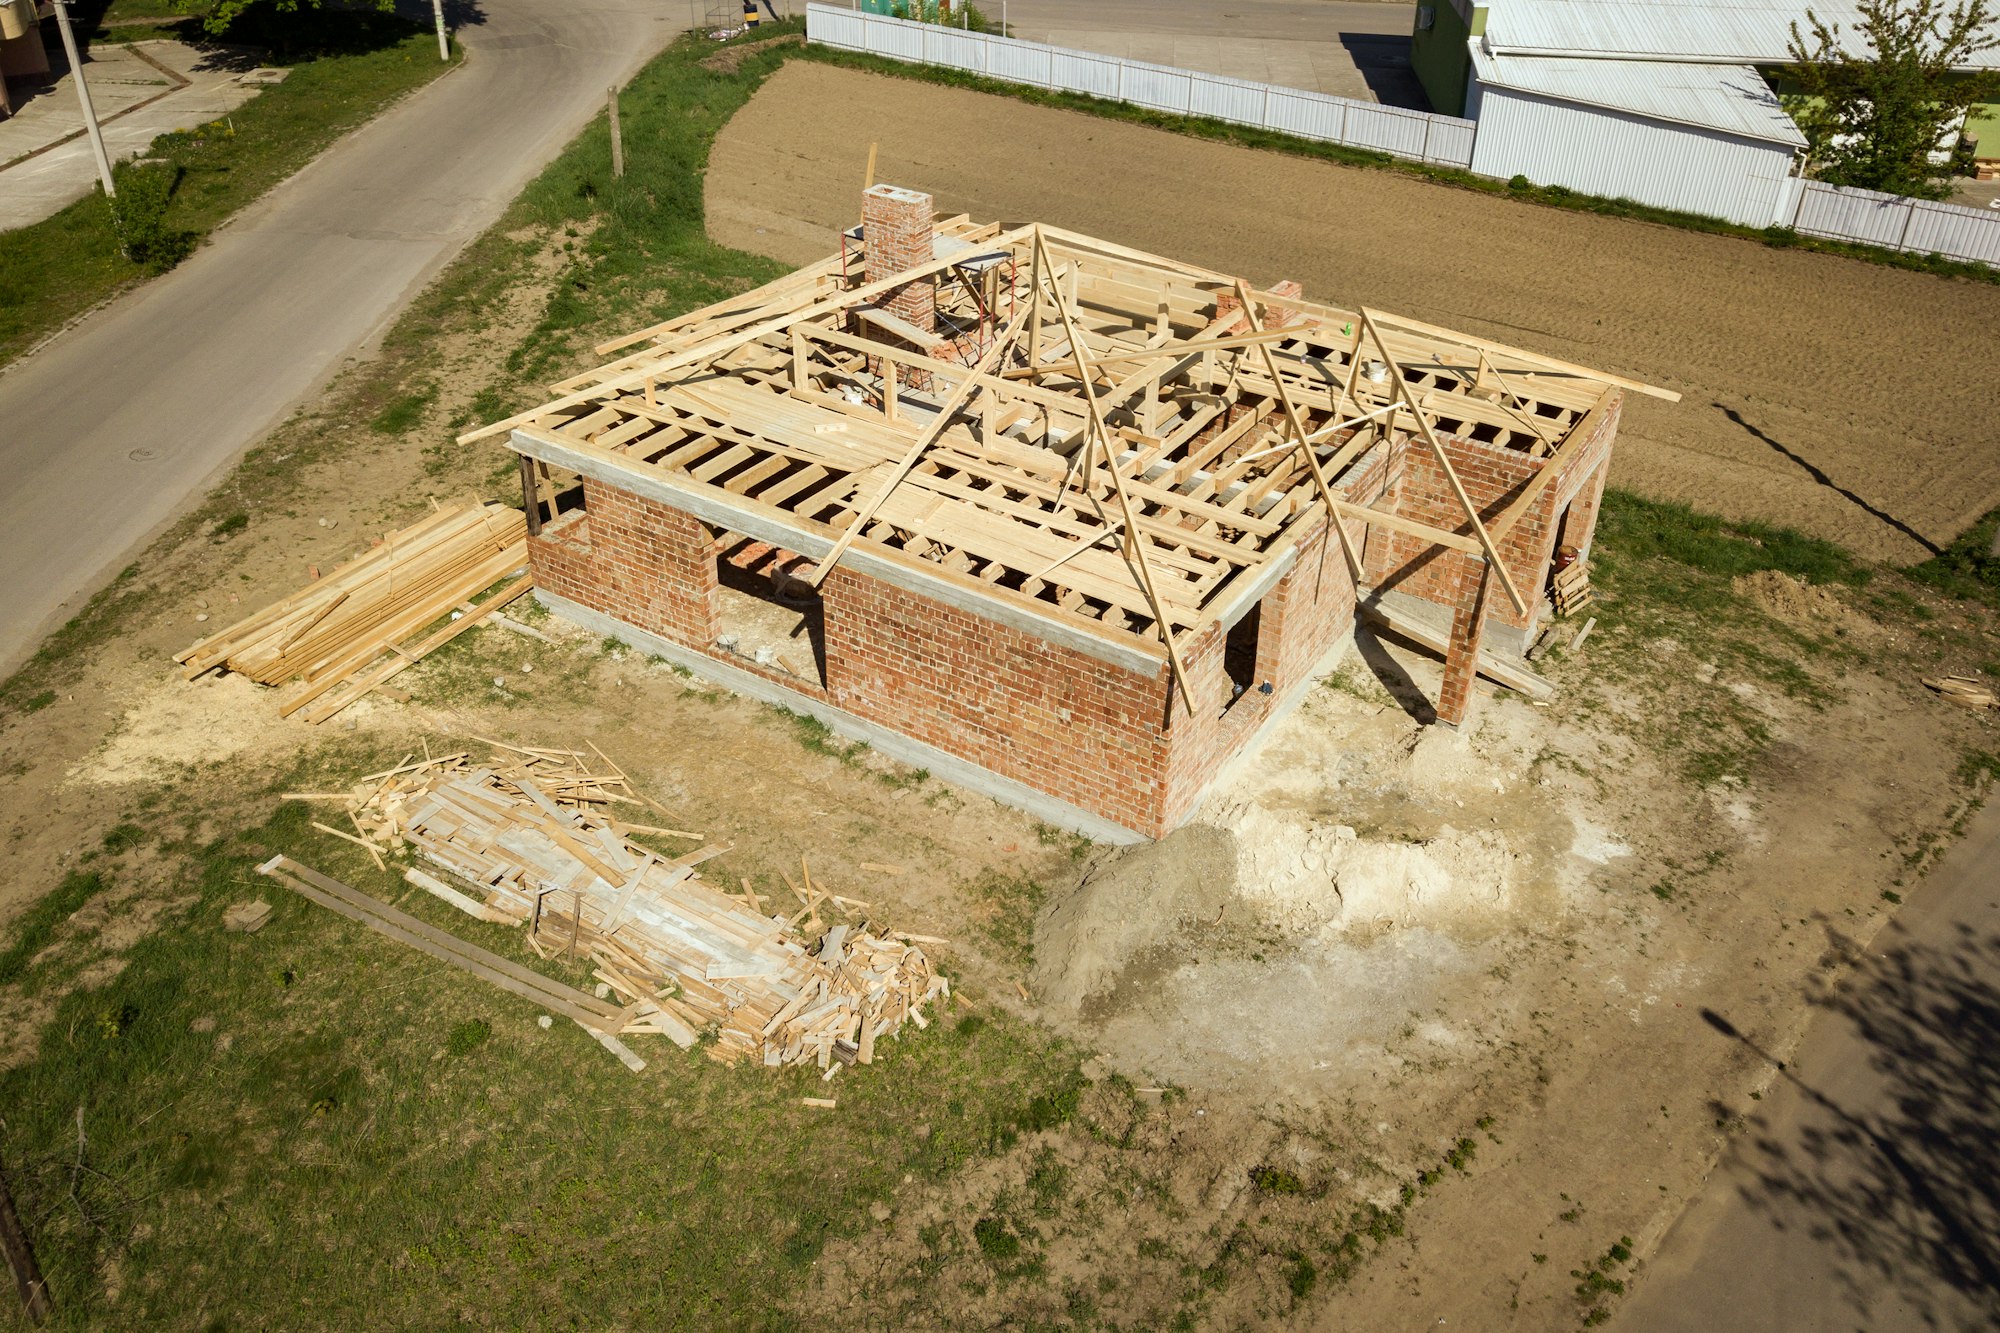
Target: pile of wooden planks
351,630
1571,589
528,838
1965,692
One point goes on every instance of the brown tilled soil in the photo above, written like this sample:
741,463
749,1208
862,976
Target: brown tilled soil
1843,398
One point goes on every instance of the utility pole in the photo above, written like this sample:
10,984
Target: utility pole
444,43
83,96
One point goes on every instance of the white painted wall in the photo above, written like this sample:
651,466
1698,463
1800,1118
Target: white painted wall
1595,150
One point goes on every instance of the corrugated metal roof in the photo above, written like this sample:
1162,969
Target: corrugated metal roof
1731,98
1688,31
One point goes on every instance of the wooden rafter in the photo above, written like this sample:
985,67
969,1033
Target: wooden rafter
1485,538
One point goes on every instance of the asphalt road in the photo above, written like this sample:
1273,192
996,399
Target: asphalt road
1866,1194
110,432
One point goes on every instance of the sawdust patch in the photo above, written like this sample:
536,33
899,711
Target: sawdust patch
180,723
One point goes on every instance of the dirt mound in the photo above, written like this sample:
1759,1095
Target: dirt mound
1790,598
1127,910
1309,878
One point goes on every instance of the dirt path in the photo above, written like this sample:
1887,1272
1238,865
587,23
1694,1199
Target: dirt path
1846,399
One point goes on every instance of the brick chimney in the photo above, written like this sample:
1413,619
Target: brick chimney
896,225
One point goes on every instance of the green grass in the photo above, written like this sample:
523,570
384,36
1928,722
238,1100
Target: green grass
1553,196
421,1145
36,928
59,268
1967,568
1668,574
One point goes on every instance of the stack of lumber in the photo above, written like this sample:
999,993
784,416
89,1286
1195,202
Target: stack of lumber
1572,590
529,839
1965,692
344,634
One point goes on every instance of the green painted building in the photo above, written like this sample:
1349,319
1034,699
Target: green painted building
1438,53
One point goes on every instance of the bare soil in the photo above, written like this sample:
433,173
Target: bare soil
1842,398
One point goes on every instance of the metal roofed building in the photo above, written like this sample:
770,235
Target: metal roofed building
1666,103
1701,138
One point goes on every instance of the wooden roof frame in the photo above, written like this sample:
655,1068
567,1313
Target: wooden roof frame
1096,437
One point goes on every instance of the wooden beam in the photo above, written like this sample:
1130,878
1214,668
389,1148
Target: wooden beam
1191,347
708,351
929,433
1298,429
1479,531
1136,541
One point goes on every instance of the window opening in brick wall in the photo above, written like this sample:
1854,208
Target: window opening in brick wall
766,612
1239,654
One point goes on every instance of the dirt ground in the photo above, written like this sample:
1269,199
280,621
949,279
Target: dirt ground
1842,398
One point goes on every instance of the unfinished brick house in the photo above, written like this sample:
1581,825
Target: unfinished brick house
1058,520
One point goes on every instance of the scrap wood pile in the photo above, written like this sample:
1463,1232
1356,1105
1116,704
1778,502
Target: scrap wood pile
532,837
1965,692
351,630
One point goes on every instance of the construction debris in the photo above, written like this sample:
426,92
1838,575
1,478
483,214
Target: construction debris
355,627
1571,588
1964,691
530,839
247,918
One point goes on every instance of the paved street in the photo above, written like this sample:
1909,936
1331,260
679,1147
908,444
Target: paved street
1350,48
109,433
1866,1193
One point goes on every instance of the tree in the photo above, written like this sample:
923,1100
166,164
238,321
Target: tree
260,19
1875,117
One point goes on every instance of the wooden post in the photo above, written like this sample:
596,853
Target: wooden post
617,139
531,496
21,1258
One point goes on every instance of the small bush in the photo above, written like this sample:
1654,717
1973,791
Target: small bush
140,212
1275,1180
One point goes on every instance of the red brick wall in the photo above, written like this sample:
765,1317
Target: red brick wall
896,225
634,559
1053,718
1303,615
1095,735
1492,477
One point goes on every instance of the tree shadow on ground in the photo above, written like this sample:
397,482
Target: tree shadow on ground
1814,471
1902,1190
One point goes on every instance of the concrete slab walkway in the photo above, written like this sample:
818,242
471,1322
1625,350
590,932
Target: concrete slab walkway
140,91
1350,48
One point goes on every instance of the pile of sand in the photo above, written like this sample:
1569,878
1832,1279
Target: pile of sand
1136,906
1308,878
1790,598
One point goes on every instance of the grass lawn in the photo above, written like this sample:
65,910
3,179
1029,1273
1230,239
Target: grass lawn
59,268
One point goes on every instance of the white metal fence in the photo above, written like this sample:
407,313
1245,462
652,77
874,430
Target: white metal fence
1899,223
1888,220
1417,135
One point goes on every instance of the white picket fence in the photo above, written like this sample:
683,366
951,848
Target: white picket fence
1897,222
1888,220
1416,135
